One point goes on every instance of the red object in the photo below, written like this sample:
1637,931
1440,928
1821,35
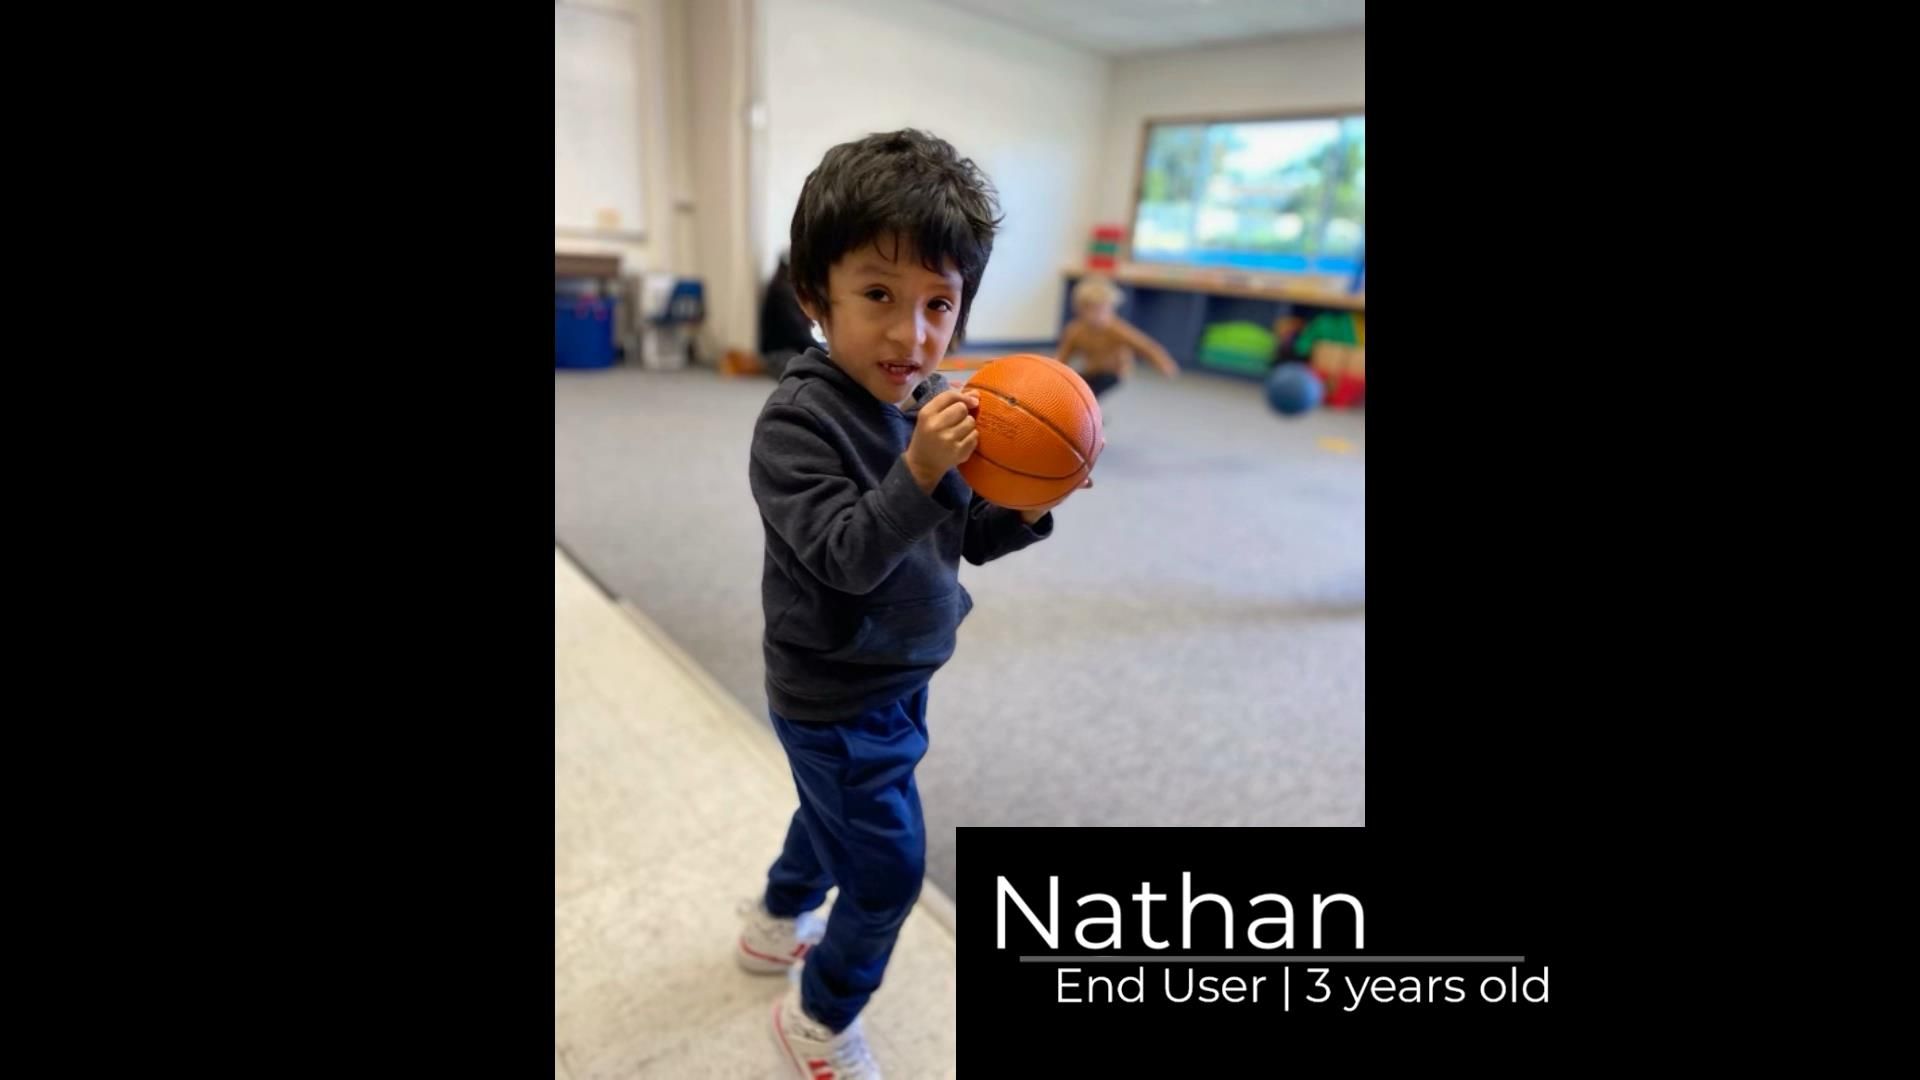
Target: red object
1344,391
1109,232
1100,262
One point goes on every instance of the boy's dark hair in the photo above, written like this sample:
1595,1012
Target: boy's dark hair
900,182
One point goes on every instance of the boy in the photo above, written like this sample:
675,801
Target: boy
866,522
1106,340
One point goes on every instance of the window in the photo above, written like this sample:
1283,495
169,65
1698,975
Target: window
1285,195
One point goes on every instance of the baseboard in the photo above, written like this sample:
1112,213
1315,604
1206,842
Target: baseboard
1001,348
933,900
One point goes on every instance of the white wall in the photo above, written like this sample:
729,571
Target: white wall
1056,128
663,135
1026,110
1285,74
718,48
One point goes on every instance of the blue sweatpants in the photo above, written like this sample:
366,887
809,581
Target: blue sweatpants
858,827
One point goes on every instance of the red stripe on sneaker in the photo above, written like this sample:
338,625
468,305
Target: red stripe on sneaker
762,956
780,1031
801,949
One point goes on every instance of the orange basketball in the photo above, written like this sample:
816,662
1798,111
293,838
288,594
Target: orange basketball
1039,432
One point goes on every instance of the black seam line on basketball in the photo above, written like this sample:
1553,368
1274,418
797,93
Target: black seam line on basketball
1071,445
1085,392
1079,387
1022,472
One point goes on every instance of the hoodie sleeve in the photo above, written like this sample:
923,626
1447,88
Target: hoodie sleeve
993,531
848,539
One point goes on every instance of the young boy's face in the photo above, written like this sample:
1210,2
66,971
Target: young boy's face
888,320
1098,313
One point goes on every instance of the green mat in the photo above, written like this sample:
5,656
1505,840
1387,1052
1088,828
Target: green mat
1238,346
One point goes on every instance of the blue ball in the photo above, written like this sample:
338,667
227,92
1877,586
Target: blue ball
1292,389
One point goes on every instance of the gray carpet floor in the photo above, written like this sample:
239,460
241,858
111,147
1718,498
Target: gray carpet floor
1189,648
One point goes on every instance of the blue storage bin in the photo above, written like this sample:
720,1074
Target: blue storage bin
583,331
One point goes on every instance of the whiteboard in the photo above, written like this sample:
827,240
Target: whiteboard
596,123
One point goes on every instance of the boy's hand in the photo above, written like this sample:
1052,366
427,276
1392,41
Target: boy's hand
943,437
1034,515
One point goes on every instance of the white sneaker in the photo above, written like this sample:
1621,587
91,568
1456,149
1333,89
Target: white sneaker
814,1051
769,944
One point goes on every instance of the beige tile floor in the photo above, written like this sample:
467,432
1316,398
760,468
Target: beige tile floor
669,802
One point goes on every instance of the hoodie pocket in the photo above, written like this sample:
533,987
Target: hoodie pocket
912,633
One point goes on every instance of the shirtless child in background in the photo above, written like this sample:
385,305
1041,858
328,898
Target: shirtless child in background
1104,341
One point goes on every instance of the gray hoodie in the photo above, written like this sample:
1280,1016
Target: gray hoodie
861,583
